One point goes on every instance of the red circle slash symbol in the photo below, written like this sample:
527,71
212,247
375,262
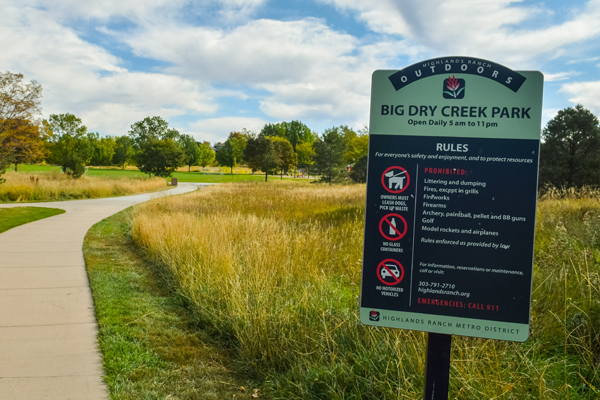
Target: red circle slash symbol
390,272
389,227
395,179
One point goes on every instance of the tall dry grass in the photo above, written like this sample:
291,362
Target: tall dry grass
273,270
56,186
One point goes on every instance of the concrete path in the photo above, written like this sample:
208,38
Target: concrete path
48,329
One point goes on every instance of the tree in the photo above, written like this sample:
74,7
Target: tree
207,155
358,146
18,100
260,154
190,147
22,141
103,149
295,132
69,145
4,161
151,128
359,170
306,154
161,157
145,134
124,152
286,157
20,105
272,130
329,149
232,152
570,152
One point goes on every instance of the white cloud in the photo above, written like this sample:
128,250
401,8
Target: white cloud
86,80
308,69
591,59
585,93
560,76
217,129
488,29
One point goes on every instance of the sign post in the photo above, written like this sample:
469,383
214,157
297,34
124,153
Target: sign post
451,200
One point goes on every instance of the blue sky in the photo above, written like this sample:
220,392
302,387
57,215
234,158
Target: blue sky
210,67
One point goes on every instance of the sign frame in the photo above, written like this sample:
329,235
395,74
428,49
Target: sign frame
436,120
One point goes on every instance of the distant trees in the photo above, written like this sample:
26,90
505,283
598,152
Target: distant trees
287,159
20,105
161,157
358,146
306,154
69,146
190,147
19,100
156,147
206,155
23,142
570,152
124,152
329,157
102,149
295,132
232,152
260,154
359,170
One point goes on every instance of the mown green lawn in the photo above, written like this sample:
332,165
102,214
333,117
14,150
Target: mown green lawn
12,217
151,344
114,173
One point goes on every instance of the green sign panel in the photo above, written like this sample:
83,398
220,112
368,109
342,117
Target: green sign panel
451,198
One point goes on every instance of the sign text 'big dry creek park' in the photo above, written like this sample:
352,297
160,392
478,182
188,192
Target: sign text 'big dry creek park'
451,198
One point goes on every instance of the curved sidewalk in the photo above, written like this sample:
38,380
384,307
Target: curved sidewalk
48,329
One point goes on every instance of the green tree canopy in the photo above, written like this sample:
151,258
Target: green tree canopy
103,149
358,146
330,149
260,154
124,152
190,147
359,170
151,128
232,152
161,157
570,152
69,146
206,155
295,132
286,157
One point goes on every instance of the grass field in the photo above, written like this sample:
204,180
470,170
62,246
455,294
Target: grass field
152,348
182,175
273,271
15,216
54,186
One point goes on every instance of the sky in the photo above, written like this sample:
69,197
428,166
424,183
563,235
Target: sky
210,67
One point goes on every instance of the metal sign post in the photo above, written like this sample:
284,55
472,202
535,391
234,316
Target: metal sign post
451,201
437,366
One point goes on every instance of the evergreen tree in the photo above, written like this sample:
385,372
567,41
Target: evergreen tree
260,154
570,152
330,149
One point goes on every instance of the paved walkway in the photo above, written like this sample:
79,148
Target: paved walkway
48,329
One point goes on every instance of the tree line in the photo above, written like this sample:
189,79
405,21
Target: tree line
569,152
157,149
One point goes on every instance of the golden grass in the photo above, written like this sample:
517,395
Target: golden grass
55,186
274,269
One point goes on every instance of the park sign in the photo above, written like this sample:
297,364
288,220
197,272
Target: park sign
451,198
